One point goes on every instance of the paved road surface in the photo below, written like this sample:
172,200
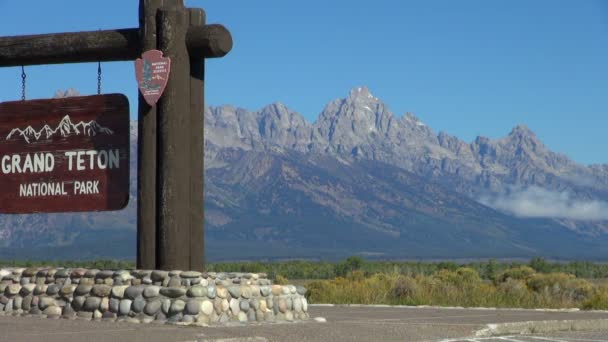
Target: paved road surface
589,336
343,324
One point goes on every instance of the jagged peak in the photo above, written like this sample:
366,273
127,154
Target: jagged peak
522,129
279,111
276,106
411,119
522,134
361,93
443,136
360,99
224,106
215,110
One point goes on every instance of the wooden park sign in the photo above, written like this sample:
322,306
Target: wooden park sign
63,155
170,232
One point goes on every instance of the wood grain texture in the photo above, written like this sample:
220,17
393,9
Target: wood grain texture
61,128
146,154
197,151
209,41
173,151
76,47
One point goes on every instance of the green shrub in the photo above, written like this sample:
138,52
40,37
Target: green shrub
460,278
561,286
490,269
513,290
280,280
357,275
540,265
405,288
352,263
468,275
580,290
549,282
598,300
446,276
517,273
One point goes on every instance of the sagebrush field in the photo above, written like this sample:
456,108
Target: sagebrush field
536,284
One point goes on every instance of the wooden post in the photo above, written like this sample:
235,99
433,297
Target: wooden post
197,141
174,145
146,154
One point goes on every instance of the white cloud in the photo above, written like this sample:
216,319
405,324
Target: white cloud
539,202
581,180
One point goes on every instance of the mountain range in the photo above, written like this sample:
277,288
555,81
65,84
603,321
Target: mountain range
359,180
65,128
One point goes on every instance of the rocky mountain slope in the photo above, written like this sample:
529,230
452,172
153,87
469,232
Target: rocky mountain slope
361,180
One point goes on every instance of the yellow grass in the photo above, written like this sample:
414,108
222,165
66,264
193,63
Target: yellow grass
518,287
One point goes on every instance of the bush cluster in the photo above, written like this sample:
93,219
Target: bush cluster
538,283
301,269
519,287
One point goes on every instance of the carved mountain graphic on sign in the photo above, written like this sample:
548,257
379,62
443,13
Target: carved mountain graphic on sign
65,129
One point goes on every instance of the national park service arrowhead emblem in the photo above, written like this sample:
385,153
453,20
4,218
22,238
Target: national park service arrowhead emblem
152,72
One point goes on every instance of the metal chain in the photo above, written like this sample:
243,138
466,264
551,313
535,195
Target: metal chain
98,78
23,77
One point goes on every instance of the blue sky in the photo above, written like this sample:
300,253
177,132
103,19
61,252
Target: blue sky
465,67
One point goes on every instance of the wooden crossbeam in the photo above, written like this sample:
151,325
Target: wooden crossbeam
209,41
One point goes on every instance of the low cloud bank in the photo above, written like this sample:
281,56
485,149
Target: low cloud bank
539,202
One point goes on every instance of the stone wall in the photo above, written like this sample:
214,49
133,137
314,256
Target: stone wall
149,296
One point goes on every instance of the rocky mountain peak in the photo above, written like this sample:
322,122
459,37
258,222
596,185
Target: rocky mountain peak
411,119
411,116
359,119
451,143
276,108
277,120
361,93
360,104
521,131
522,137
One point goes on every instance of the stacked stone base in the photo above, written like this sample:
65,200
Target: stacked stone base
145,296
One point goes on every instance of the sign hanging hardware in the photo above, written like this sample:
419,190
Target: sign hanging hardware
23,77
152,73
99,78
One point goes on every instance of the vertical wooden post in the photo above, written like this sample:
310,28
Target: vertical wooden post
197,107
146,154
170,231
174,145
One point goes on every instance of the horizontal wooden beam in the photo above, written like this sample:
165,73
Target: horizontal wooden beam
77,47
106,46
208,41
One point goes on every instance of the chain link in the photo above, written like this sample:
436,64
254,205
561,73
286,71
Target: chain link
23,77
98,78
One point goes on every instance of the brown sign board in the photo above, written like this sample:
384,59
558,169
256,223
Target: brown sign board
64,155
